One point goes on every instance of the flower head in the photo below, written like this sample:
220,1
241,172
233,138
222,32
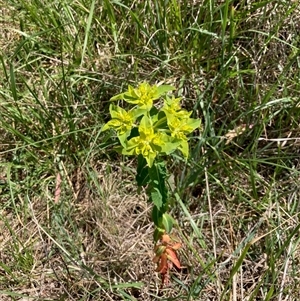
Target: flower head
180,127
145,129
142,96
172,108
121,120
148,143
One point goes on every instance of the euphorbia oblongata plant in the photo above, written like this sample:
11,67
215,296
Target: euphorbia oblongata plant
150,132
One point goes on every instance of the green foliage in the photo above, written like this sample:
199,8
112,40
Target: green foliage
158,176
159,196
142,173
168,222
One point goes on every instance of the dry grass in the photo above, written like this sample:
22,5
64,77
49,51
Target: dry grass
113,232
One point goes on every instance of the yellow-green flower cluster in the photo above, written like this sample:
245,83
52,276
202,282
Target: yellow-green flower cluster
156,131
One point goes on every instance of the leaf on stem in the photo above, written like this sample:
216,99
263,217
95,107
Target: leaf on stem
165,256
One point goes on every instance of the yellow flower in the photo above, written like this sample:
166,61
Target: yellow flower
172,108
143,96
179,128
122,121
148,143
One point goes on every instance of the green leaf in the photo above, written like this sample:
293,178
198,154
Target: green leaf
157,217
158,175
123,139
184,148
180,126
106,126
142,175
158,232
164,89
150,159
87,31
129,149
156,198
158,172
193,123
168,222
139,112
117,97
170,144
159,120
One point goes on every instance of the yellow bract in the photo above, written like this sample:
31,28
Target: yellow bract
172,108
147,143
179,128
122,121
146,94
145,130
142,96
